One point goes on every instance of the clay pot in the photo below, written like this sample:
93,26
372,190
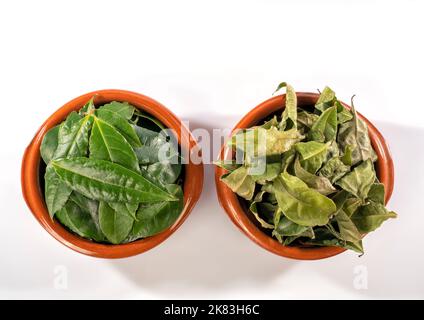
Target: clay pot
32,175
238,212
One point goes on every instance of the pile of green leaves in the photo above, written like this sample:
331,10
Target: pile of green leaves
104,180
318,186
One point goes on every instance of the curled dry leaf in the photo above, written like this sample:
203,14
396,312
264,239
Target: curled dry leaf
309,175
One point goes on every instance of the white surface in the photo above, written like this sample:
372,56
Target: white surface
211,63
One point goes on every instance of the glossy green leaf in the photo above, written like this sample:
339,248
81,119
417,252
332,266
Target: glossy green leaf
87,205
88,108
73,138
146,120
79,222
166,172
122,109
128,209
106,143
145,136
121,124
300,203
49,144
358,182
115,225
156,217
56,191
106,181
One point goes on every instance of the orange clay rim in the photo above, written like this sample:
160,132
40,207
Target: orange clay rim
231,203
193,180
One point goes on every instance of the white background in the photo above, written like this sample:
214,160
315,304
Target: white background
210,63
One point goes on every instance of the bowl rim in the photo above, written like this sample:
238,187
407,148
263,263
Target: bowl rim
192,187
234,209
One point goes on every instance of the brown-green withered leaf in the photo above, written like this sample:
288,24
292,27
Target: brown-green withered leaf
319,183
313,154
371,216
355,134
264,142
325,128
301,204
240,182
359,181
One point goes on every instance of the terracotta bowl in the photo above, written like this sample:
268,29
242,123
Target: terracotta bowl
238,212
32,168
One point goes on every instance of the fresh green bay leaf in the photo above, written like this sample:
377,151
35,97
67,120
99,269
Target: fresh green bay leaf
87,205
105,181
106,143
79,222
115,225
56,191
122,109
121,124
49,144
154,218
73,137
